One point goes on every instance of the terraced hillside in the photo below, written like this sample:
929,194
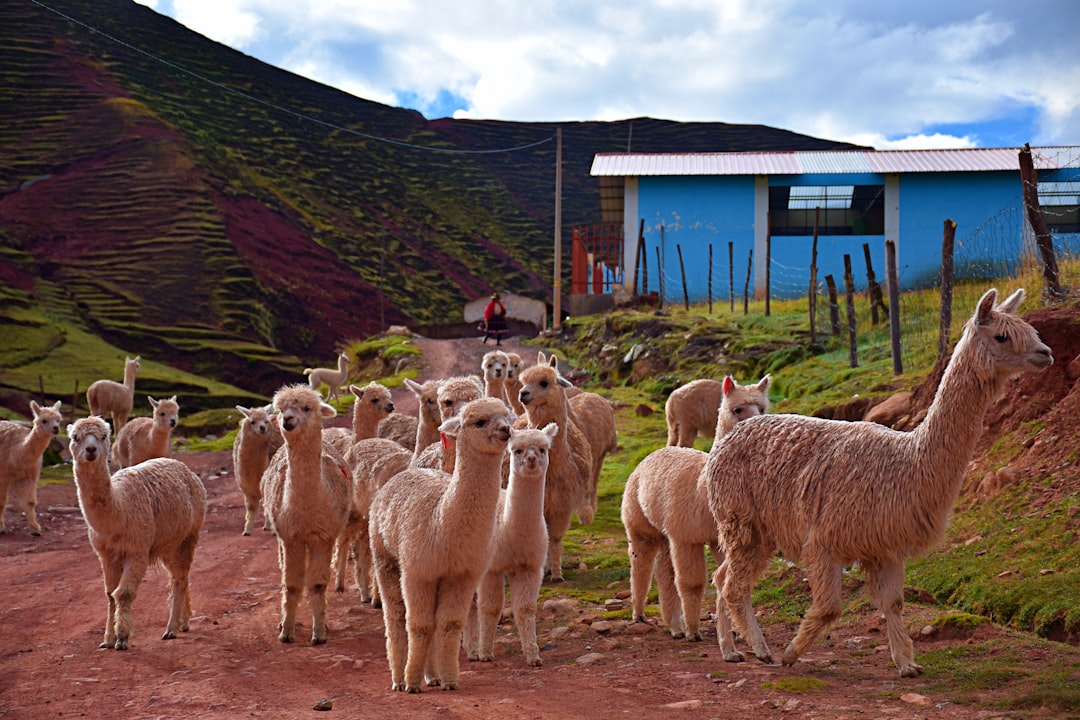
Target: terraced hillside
173,195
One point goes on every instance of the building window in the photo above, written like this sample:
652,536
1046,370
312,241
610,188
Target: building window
840,209
1060,201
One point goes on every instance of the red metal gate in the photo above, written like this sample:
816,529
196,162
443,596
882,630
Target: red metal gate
597,254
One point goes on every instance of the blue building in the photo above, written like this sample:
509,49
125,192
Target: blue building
736,206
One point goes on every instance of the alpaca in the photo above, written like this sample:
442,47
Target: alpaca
514,366
147,437
256,442
595,417
373,405
493,366
334,379
454,394
141,515
691,411
307,494
416,432
430,542
107,397
371,462
21,450
665,511
829,493
519,549
570,464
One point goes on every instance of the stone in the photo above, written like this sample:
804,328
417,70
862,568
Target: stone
889,411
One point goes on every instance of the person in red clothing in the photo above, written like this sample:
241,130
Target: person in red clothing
495,320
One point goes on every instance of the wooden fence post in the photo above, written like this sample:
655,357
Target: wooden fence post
710,278
768,266
834,306
892,280
849,286
659,276
746,288
876,299
1043,239
947,244
638,259
812,293
682,271
731,273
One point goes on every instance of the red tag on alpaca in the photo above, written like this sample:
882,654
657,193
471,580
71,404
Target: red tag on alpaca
444,440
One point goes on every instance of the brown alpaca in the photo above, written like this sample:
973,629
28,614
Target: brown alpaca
665,511
829,493
493,366
21,449
147,437
513,382
543,393
373,405
256,442
107,397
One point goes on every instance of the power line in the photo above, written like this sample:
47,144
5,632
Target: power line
280,108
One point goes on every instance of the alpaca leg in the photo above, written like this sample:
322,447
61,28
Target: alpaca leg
672,432
489,604
725,635
124,594
26,494
558,522
388,580
690,577
3,503
687,435
420,627
340,562
524,594
470,639
744,566
362,564
292,558
887,585
450,614
667,593
112,570
179,568
825,577
318,578
642,550
251,509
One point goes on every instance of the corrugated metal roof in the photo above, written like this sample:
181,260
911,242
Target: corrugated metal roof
829,162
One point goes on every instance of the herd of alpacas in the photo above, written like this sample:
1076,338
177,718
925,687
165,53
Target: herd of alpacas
440,511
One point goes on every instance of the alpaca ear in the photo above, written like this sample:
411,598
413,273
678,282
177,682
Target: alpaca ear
553,361
356,390
563,381
246,412
70,429
327,411
153,402
551,430
412,385
451,425
729,385
173,398
986,306
56,406
1009,304
35,408
763,384
541,358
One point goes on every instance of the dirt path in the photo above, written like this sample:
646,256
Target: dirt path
231,664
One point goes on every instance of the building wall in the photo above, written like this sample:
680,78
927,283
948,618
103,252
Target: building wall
696,211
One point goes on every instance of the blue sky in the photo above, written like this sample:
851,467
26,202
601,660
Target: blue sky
890,74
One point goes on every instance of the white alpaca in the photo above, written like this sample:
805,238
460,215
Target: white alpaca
333,379
570,466
307,495
141,515
107,397
514,367
493,368
519,548
430,542
147,437
21,449
829,493
665,511
454,393
373,405
256,442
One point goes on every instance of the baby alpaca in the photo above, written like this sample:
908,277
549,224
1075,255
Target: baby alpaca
334,379
665,510
691,411
519,549
141,515
256,442
143,438
430,542
373,404
493,365
829,493
21,449
514,367
307,495
107,397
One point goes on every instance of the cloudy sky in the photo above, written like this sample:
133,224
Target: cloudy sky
890,73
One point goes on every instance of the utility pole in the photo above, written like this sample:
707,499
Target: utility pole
556,319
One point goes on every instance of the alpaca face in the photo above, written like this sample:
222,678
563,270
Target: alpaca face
1011,343
529,451
376,397
427,397
47,419
538,384
744,401
494,365
300,408
166,412
454,395
483,424
88,440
